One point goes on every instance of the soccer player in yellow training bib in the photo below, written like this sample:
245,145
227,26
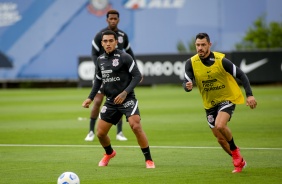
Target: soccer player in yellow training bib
214,76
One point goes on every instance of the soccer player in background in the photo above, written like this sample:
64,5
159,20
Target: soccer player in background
97,50
214,76
120,75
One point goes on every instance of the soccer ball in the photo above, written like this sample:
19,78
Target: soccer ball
68,178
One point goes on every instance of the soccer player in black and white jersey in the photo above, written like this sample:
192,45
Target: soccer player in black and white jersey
97,50
119,74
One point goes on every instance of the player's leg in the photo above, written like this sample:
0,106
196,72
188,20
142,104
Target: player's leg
221,125
211,117
223,117
103,128
119,126
109,115
222,141
97,101
135,124
120,136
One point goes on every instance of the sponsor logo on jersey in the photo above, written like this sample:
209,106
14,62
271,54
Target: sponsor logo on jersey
115,62
110,79
106,75
208,85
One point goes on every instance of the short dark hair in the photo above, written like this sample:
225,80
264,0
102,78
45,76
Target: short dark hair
112,12
202,36
109,32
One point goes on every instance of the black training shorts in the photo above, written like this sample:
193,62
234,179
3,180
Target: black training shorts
112,113
225,106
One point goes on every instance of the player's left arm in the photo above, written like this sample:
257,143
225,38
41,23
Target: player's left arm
127,47
135,73
239,74
136,78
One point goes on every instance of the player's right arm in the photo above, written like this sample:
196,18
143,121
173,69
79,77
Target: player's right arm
188,76
96,47
95,87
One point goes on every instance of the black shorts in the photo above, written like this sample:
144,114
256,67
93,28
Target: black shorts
225,106
112,113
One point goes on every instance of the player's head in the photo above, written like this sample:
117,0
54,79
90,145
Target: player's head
109,41
112,12
203,44
112,19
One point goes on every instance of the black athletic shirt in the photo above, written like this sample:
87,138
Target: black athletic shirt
227,65
123,44
118,72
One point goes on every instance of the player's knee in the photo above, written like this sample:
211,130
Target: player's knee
100,134
136,128
219,127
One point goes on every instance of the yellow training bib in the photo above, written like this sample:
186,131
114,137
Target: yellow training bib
214,83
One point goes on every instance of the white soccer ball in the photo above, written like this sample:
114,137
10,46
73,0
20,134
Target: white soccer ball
68,178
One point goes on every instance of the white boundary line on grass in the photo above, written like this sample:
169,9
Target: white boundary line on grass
98,146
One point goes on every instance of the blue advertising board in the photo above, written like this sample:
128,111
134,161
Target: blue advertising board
43,39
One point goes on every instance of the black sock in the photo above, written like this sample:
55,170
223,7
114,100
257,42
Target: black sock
146,153
92,124
109,150
119,126
232,145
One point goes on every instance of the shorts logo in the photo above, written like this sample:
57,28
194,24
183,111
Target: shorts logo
115,62
128,104
210,118
104,109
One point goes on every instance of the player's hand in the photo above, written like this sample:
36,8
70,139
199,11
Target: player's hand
251,101
120,98
86,103
189,85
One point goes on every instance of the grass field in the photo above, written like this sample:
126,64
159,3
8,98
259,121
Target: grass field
41,137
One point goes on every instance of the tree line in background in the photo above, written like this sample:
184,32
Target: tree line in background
259,36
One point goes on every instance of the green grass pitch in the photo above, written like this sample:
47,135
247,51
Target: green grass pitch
41,137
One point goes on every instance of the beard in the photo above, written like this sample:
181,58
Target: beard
203,54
